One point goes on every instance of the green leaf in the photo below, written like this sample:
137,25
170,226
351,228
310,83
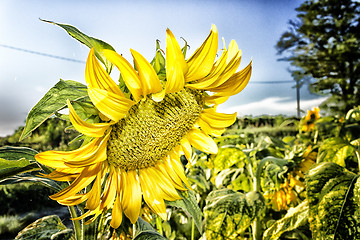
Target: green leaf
229,213
145,231
16,153
46,228
228,157
335,150
294,218
334,198
53,101
91,42
16,160
189,204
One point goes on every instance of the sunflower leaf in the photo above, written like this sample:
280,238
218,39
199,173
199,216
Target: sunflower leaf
189,204
145,231
16,160
229,213
53,101
91,42
49,227
294,218
334,202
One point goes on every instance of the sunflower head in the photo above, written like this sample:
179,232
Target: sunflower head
160,111
309,120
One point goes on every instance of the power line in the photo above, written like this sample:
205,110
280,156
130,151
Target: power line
79,61
272,82
41,54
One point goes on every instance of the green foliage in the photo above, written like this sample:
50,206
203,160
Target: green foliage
53,101
228,213
49,227
333,195
293,220
91,42
323,44
16,160
189,204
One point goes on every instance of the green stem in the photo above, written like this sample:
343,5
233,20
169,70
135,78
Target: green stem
78,226
192,229
358,157
159,225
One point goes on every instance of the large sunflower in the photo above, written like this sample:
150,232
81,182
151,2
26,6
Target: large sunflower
135,152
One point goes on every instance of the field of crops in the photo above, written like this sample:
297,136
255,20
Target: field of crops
273,178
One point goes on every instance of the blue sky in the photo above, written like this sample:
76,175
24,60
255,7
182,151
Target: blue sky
255,25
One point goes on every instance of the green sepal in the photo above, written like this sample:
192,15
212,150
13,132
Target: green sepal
91,42
158,61
53,101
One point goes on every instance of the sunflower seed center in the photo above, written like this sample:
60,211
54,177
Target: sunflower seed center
152,129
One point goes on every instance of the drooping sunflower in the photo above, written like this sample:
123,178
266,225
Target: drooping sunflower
309,120
135,151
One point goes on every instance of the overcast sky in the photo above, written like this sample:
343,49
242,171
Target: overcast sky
256,25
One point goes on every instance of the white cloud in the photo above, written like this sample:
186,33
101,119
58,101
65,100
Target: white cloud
272,106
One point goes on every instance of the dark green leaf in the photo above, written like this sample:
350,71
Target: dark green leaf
16,153
91,42
145,231
53,101
293,219
189,204
229,213
335,150
334,198
16,160
46,228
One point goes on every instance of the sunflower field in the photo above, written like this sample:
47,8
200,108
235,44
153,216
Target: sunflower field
149,157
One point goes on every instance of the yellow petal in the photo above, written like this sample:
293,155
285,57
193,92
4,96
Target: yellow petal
116,214
94,194
229,70
73,200
216,132
235,84
215,99
176,67
201,62
186,146
57,159
149,80
98,155
202,141
158,97
152,194
131,195
175,179
109,194
60,176
217,120
97,77
83,180
128,73
91,130
111,105
164,183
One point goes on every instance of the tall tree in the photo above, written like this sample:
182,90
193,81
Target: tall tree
323,43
